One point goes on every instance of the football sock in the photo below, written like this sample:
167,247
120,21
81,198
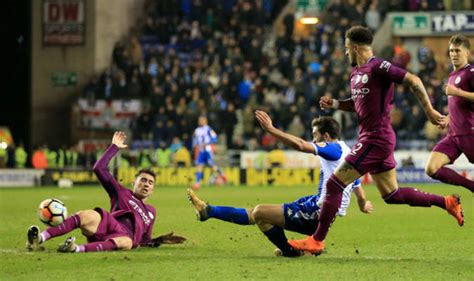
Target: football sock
277,236
449,176
230,214
414,197
68,225
101,246
198,177
331,203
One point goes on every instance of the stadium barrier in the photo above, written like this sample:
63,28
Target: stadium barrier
185,176
20,177
174,176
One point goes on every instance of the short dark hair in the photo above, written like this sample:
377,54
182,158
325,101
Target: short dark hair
360,35
328,125
460,39
146,171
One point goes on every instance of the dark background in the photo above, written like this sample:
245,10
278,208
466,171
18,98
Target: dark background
15,103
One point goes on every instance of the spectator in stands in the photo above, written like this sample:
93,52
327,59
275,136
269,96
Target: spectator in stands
134,89
248,121
136,53
182,157
145,157
372,17
230,120
73,159
408,162
414,127
163,155
10,156
21,156
220,59
39,160
289,22
51,156
296,127
176,144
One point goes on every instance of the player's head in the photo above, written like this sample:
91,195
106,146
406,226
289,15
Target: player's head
144,183
325,129
202,121
459,50
358,39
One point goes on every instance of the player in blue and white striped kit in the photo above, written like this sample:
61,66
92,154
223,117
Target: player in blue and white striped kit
204,138
301,215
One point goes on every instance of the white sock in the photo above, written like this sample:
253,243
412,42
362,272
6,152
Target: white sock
41,238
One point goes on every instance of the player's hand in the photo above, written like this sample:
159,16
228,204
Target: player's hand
435,117
119,139
444,123
367,207
171,238
451,90
264,119
325,102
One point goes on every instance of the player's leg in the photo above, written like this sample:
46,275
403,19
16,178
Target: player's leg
198,176
271,221
217,173
204,211
445,152
87,220
386,183
345,174
116,243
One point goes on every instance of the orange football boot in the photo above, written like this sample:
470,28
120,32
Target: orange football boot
308,244
453,206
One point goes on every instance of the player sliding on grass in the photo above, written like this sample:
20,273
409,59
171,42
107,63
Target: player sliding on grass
460,122
129,223
372,82
301,215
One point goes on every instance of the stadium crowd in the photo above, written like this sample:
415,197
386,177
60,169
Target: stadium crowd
224,59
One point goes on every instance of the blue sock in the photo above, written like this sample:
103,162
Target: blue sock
277,236
230,214
198,177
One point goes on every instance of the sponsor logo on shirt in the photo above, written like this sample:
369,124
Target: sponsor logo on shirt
458,79
359,93
139,210
365,78
360,78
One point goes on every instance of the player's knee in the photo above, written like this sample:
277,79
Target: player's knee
431,168
258,214
88,216
123,243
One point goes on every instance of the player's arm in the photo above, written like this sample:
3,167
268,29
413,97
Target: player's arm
327,103
289,140
101,166
328,150
213,136
195,140
415,85
455,91
365,206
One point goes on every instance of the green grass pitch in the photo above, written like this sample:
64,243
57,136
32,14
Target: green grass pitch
394,243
